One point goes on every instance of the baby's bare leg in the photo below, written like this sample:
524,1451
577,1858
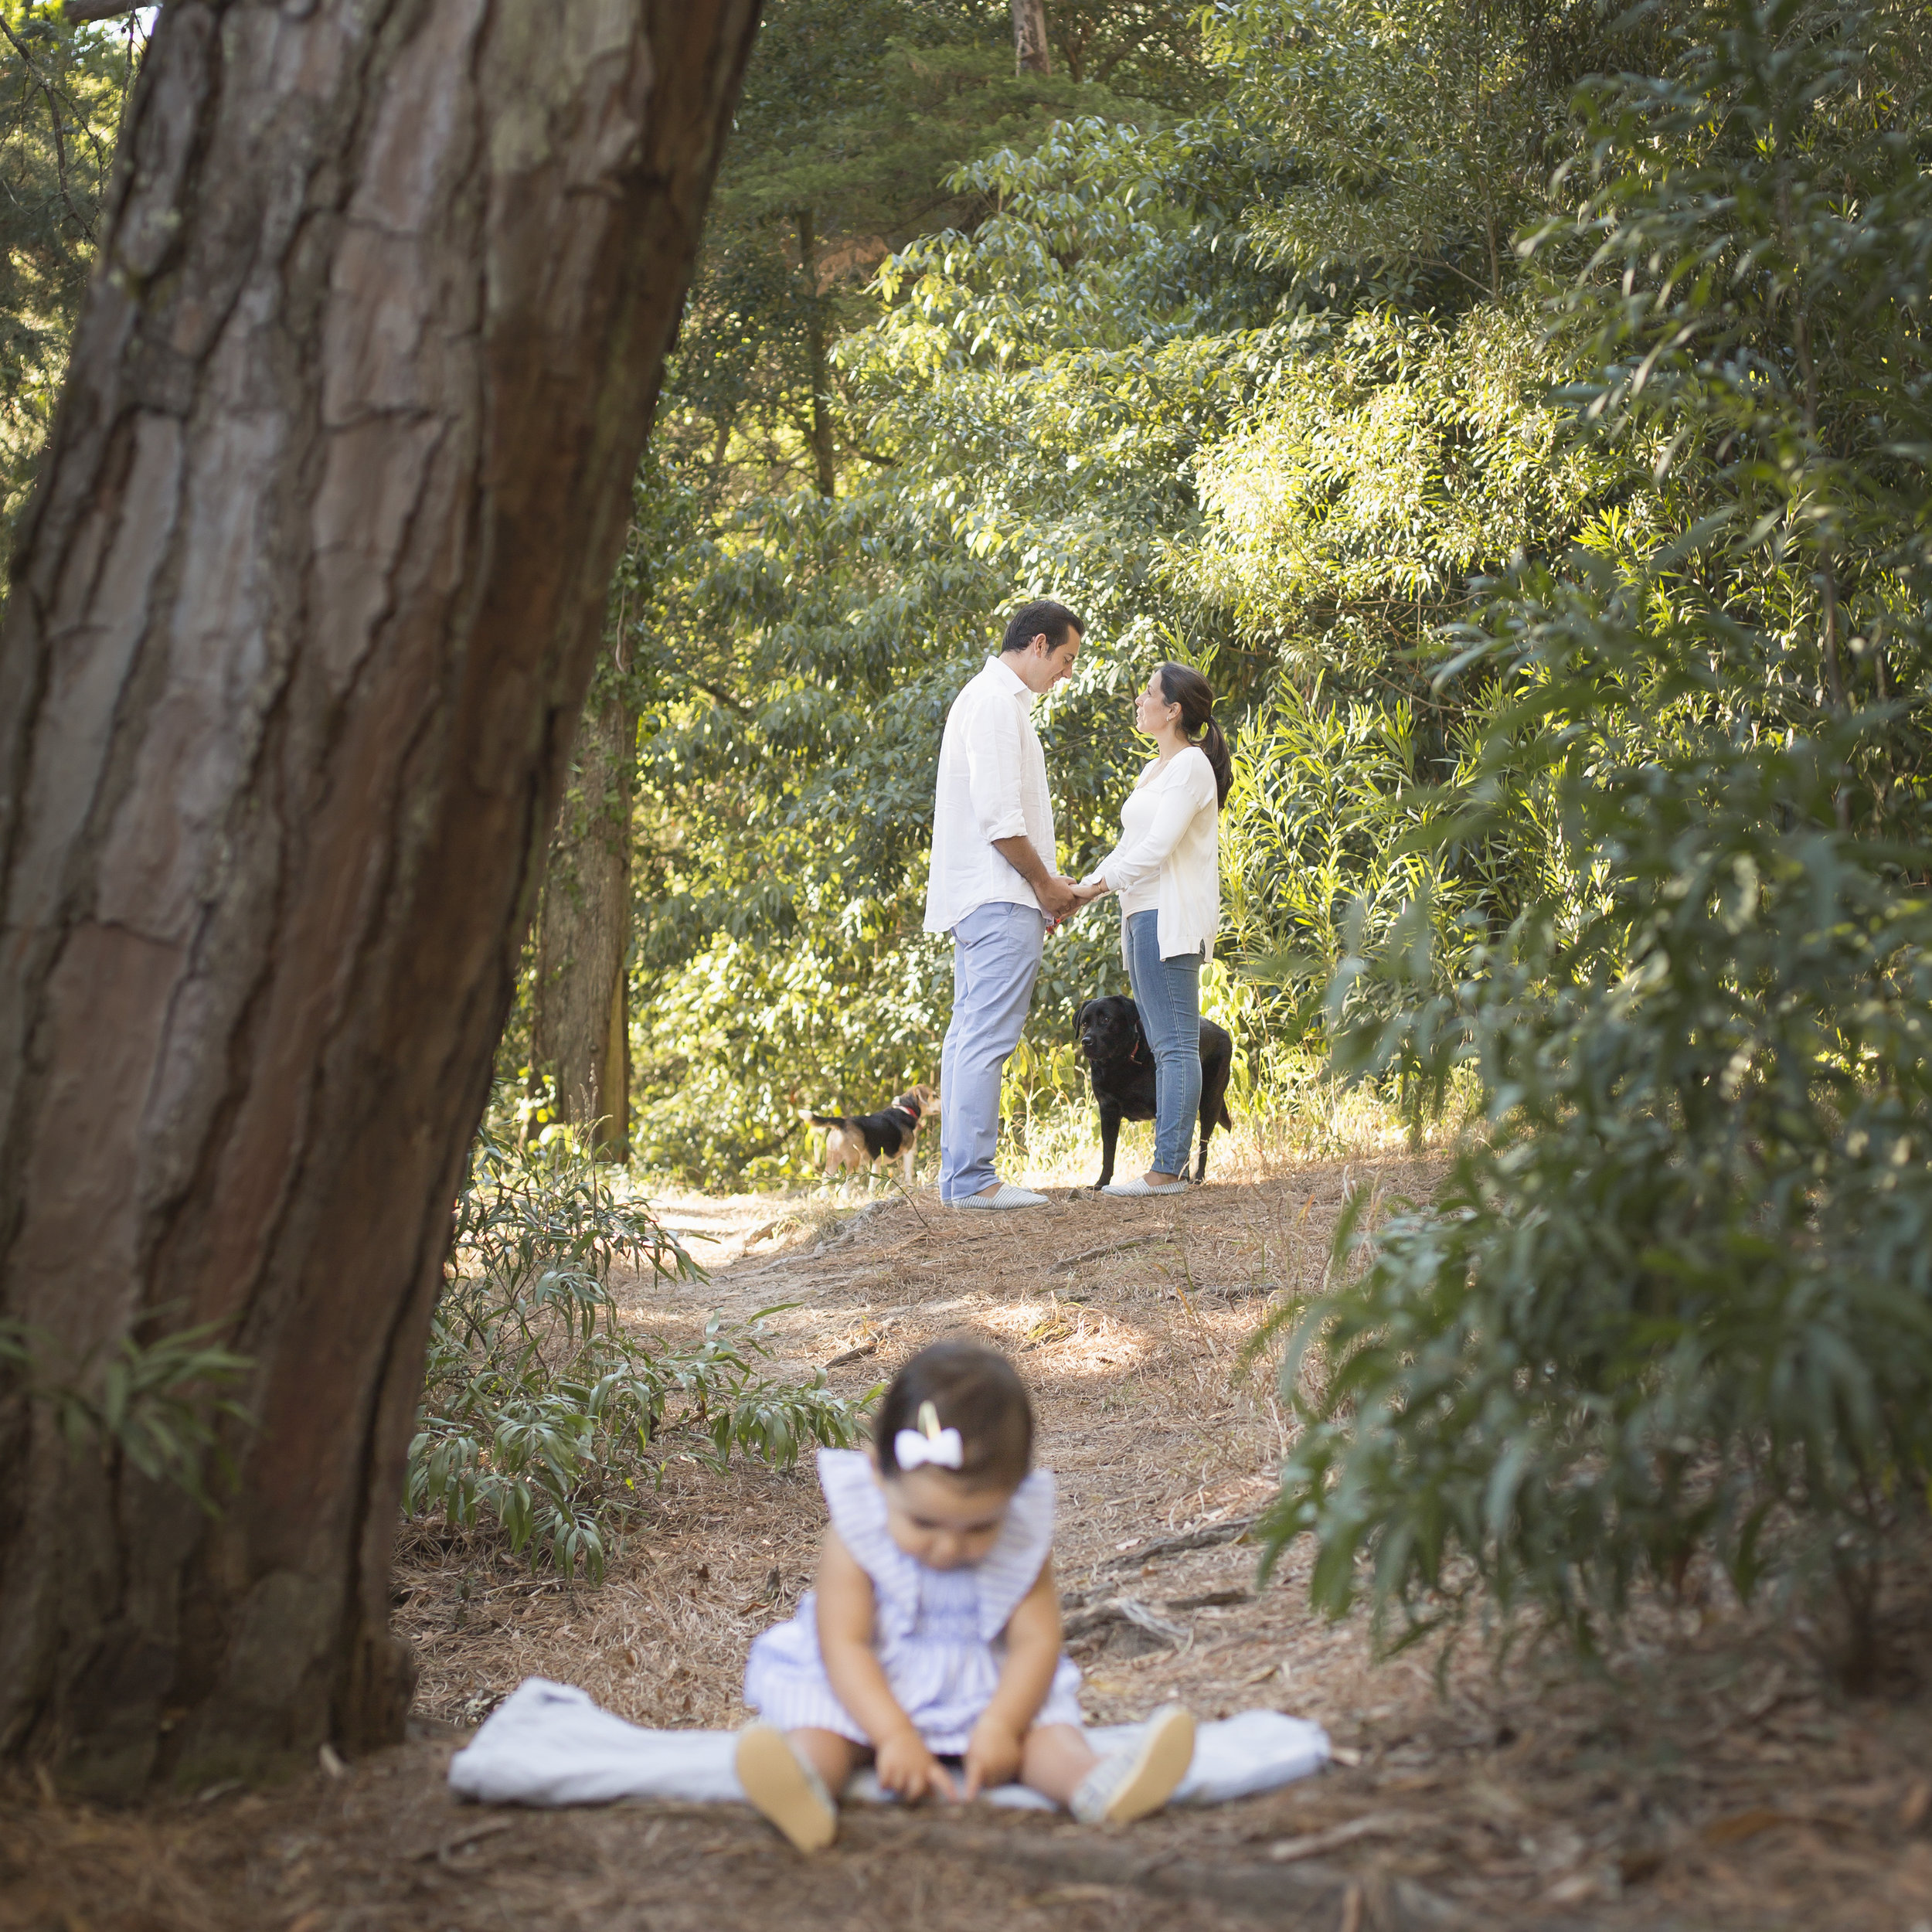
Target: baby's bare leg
833,1757
1054,1760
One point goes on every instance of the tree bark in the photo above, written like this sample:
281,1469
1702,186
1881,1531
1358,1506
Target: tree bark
301,622
1030,49
818,361
581,1019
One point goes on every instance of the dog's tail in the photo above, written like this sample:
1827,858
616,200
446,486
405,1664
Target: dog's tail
1227,1119
828,1120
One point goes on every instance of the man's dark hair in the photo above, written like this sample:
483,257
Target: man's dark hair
974,1390
1030,620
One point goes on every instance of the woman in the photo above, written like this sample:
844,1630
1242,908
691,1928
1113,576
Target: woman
1166,870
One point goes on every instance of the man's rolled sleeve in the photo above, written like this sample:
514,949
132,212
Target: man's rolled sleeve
993,771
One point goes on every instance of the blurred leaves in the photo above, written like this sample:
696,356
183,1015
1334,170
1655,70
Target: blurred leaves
545,1411
157,1402
62,89
1676,1301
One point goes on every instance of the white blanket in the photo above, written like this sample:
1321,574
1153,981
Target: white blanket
549,1744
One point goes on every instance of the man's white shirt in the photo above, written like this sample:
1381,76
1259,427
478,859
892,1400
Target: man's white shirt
993,784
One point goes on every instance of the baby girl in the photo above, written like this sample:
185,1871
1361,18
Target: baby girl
934,1630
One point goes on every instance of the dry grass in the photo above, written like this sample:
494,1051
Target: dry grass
1130,1331
1296,1115
1706,1777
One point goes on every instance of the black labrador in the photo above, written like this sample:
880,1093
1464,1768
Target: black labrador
1120,1064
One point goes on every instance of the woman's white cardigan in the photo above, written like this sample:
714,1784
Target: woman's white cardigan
1183,843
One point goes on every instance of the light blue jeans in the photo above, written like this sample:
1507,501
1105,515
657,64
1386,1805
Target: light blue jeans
996,950
1168,992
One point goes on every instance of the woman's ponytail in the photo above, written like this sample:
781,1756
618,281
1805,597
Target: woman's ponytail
1182,685
1215,745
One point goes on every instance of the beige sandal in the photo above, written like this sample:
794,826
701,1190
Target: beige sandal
1132,1783
785,1788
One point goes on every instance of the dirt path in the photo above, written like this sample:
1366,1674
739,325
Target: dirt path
1711,1781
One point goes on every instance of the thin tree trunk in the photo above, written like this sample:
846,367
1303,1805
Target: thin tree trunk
301,622
818,362
580,1022
1030,51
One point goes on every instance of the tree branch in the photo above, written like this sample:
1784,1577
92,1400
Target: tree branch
723,697
54,114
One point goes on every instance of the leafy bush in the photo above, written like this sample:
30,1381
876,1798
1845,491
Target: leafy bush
1326,844
156,1402
1680,1297
1678,1300
541,1408
63,86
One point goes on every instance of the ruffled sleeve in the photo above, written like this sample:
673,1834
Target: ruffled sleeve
858,1511
1013,1565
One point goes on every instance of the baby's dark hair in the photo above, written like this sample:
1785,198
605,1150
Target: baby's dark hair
975,1390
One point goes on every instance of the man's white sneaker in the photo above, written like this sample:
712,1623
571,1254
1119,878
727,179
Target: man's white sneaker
1004,1195
1139,1187
1134,1782
782,1786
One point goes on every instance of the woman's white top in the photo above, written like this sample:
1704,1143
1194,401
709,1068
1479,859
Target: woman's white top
1168,860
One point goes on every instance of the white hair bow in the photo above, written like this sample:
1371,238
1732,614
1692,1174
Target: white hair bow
912,1448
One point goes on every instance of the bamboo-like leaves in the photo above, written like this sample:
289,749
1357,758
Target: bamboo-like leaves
543,1409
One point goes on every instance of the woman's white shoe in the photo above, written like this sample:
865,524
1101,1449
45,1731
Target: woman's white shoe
1132,1189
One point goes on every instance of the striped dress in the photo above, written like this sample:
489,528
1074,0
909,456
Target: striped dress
939,1634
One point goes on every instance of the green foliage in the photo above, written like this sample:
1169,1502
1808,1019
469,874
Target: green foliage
62,89
1536,463
798,605
855,116
1097,370
1407,143
157,1402
1391,457
544,1409
1676,1301
1332,841
800,655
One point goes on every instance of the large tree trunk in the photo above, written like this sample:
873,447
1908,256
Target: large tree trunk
1030,51
580,1029
300,626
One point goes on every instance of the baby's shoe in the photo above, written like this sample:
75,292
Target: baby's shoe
1140,1779
782,1786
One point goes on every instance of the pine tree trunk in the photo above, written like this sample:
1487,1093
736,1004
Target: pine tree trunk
300,625
580,1028
1030,51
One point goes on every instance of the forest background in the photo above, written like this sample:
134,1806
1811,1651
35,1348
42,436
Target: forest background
1520,414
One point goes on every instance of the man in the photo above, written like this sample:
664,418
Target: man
993,886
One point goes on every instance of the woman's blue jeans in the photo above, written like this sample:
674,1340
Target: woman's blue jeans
1168,992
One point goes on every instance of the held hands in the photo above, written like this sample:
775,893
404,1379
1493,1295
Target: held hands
907,1769
993,1755
1059,898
